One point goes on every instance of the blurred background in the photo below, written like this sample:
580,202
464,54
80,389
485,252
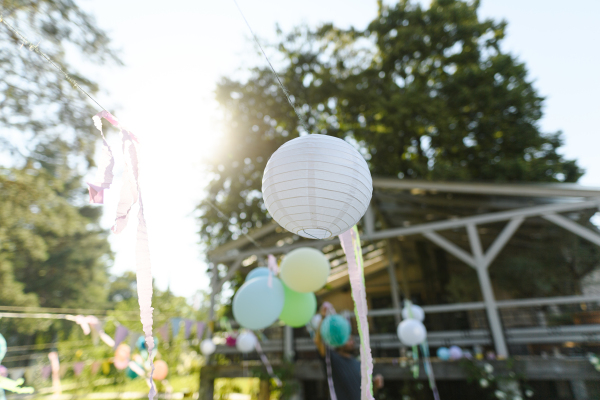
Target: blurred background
489,92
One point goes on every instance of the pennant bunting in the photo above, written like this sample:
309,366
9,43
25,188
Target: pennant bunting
163,331
175,325
187,327
46,370
120,335
200,330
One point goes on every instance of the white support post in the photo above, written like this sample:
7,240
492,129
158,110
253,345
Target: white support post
369,220
395,291
488,292
573,227
288,343
502,239
450,248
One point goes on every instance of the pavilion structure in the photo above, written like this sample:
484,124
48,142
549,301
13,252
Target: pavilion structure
450,247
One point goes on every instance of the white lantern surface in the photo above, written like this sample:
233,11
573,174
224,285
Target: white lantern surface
317,186
415,312
207,347
412,332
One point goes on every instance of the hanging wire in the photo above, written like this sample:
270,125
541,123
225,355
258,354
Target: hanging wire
281,85
36,49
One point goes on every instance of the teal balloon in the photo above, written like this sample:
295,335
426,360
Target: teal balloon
335,330
443,353
130,373
256,305
141,343
298,308
2,347
257,272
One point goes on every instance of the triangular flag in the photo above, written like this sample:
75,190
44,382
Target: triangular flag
199,330
46,370
120,335
95,367
78,368
188,327
175,325
163,331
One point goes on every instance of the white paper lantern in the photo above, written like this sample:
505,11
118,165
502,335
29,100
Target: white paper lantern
412,332
317,186
246,342
207,347
417,313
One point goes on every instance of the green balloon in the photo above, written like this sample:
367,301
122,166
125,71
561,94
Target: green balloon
298,308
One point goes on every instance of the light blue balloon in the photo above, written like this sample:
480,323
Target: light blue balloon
335,330
2,347
443,353
257,272
256,305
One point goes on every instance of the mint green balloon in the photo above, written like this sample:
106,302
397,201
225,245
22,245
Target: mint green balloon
298,308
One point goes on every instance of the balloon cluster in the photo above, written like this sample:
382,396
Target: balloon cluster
264,298
139,364
452,353
411,330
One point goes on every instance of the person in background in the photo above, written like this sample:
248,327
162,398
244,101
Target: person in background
345,368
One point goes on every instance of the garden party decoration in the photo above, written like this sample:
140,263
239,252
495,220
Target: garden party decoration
317,186
298,308
443,353
161,370
257,272
246,342
305,270
456,353
335,330
256,304
412,332
414,312
208,347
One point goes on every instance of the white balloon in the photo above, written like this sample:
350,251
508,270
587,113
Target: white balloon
317,186
412,332
207,347
417,313
246,342
316,321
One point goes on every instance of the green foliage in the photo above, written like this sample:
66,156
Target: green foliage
37,104
424,93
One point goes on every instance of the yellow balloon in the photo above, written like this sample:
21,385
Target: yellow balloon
305,270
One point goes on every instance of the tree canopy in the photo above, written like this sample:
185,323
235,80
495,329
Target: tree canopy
423,93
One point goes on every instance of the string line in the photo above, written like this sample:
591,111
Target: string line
283,88
37,50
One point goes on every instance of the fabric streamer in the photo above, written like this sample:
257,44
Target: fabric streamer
429,370
273,268
267,364
55,365
350,242
130,194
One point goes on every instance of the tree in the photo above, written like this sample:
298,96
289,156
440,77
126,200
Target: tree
53,253
422,93
37,103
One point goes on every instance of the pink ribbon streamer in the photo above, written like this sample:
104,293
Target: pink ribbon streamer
351,245
273,269
130,194
267,364
55,365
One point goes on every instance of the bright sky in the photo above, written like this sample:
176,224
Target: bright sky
176,51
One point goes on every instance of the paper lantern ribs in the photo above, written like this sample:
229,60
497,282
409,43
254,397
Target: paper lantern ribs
317,186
